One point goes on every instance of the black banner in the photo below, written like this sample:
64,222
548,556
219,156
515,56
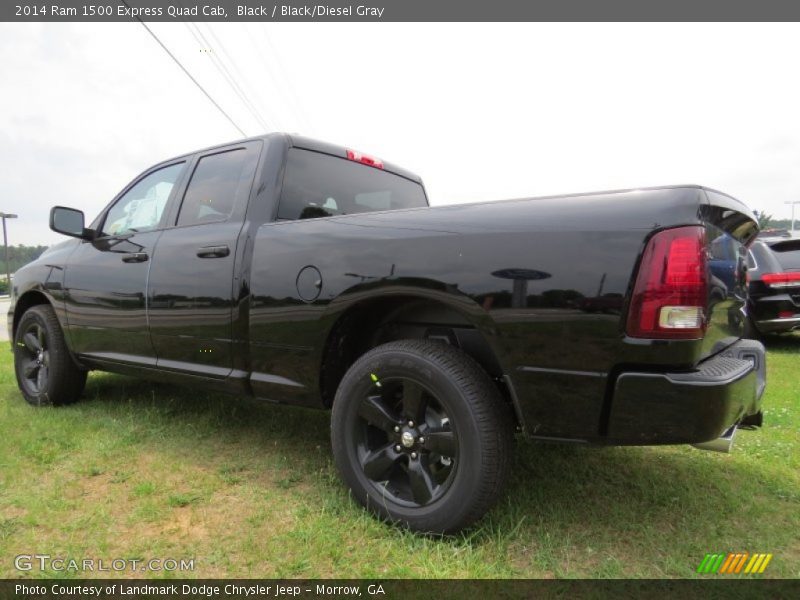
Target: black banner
401,10
139,589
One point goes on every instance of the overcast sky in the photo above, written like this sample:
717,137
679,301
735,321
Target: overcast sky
480,111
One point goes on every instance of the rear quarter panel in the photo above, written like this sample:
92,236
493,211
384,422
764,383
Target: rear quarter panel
545,281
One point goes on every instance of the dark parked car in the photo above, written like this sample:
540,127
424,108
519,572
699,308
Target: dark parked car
308,274
773,272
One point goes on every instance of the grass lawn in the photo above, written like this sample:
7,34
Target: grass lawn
248,489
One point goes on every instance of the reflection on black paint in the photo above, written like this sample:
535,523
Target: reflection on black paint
542,281
520,278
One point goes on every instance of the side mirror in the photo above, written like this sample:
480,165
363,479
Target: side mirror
68,221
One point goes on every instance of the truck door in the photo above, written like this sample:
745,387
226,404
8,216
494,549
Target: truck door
106,278
191,285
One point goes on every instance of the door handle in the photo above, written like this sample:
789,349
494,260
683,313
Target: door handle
135,257
213,251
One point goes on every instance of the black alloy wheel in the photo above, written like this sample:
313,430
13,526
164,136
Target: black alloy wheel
34,358
422,435
405,443
46,372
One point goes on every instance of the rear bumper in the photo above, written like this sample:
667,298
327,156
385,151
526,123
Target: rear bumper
765,312
689,407
779,324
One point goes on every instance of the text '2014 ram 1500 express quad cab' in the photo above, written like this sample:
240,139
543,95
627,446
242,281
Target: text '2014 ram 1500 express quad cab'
305,273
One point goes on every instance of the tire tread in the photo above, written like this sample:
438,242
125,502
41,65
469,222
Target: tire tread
487,408
67,379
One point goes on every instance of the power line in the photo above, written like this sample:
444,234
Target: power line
226,73
234,78
242,75
294,102
223,70
189,75
276,86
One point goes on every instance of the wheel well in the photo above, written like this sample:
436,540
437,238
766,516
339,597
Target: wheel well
24,302
374,322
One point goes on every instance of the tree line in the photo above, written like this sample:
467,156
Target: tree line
18,256
766,221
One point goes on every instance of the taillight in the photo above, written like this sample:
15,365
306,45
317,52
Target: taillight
365,159
781,280
669,297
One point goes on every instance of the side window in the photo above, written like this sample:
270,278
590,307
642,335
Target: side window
141,207
215,185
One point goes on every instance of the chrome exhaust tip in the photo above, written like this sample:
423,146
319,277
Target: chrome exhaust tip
722,444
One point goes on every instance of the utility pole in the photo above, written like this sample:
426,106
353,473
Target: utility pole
792,202
5,216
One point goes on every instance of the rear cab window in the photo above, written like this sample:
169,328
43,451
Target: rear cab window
788,253
320,185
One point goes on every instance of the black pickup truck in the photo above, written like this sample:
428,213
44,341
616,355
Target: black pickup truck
305,273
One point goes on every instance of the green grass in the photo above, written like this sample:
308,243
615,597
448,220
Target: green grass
248,489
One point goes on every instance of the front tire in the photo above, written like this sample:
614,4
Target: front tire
46,373
421,435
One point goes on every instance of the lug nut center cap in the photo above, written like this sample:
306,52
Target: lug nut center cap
407,439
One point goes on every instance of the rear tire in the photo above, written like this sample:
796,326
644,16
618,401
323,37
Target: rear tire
421,435
46,373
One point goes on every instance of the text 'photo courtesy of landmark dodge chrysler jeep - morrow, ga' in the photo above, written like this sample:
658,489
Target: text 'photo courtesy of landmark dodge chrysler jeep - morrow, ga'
305,273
